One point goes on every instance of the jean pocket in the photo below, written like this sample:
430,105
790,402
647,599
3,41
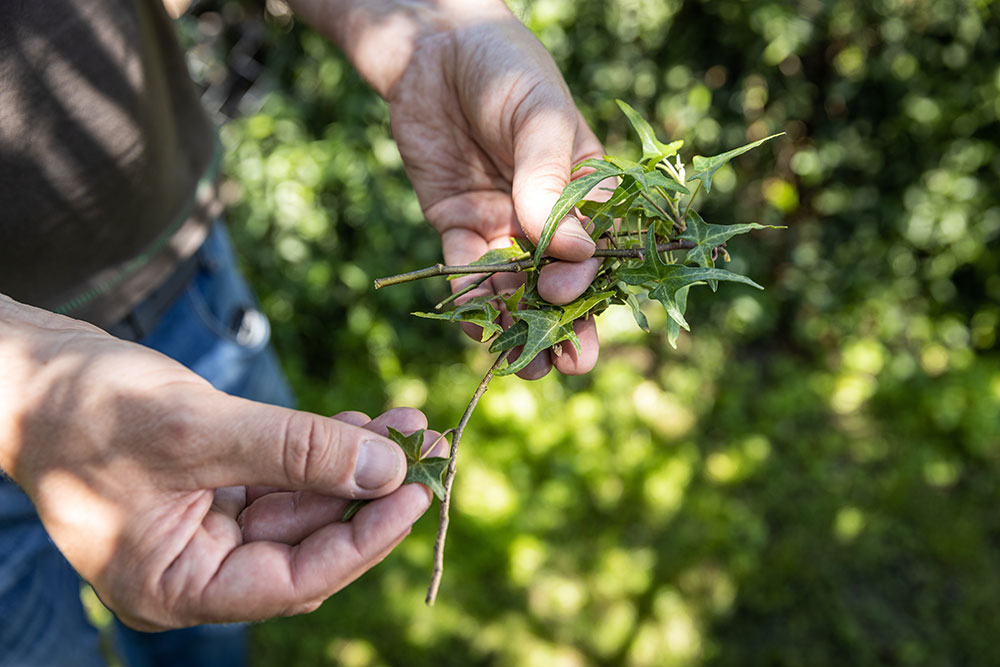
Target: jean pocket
230,313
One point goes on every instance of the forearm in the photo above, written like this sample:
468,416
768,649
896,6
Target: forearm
381,36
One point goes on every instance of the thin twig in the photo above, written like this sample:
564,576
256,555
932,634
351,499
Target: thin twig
465,290
517,267
449,479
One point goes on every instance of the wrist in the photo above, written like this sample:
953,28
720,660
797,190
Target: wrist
33,365
380,37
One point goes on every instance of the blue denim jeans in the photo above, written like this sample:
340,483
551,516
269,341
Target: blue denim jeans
214,329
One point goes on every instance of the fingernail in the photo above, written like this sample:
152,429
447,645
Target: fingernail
377,464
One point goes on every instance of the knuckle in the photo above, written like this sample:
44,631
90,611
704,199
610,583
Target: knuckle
310,449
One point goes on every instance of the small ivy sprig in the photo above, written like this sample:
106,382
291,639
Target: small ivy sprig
640,225
419,468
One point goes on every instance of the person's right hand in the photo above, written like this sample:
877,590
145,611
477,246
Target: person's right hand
180,504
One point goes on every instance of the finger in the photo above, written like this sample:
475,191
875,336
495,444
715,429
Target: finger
288,579
289,516
572,362
230,500
537,368
352,417
241,442
562,282
404,420
543,153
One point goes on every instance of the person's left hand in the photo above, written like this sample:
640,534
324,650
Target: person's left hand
488,132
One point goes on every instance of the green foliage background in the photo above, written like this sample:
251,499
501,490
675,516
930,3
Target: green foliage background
810,479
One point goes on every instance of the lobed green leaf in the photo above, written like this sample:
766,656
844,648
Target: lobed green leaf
705,167
582,306
544,331
478,311
573,193
653,150
708,237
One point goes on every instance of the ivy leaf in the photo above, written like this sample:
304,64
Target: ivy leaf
429,472
582,306
512,337
667,279
708,237
653,150
544,331
661,180
412,445
673,328
419,468
705,167
514,299
478,311
633,303
574,191
603,214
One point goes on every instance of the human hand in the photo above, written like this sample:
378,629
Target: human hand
180,504
488,132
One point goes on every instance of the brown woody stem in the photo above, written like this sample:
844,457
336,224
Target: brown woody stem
517,267
449,480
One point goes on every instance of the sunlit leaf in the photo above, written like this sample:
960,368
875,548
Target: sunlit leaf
511,302
673,328
603,214
633,303
653,150
705,167
660,180
583,305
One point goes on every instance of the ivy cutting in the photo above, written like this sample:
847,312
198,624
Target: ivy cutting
655,246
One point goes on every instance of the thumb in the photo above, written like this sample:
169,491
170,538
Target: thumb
543,153
259,444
